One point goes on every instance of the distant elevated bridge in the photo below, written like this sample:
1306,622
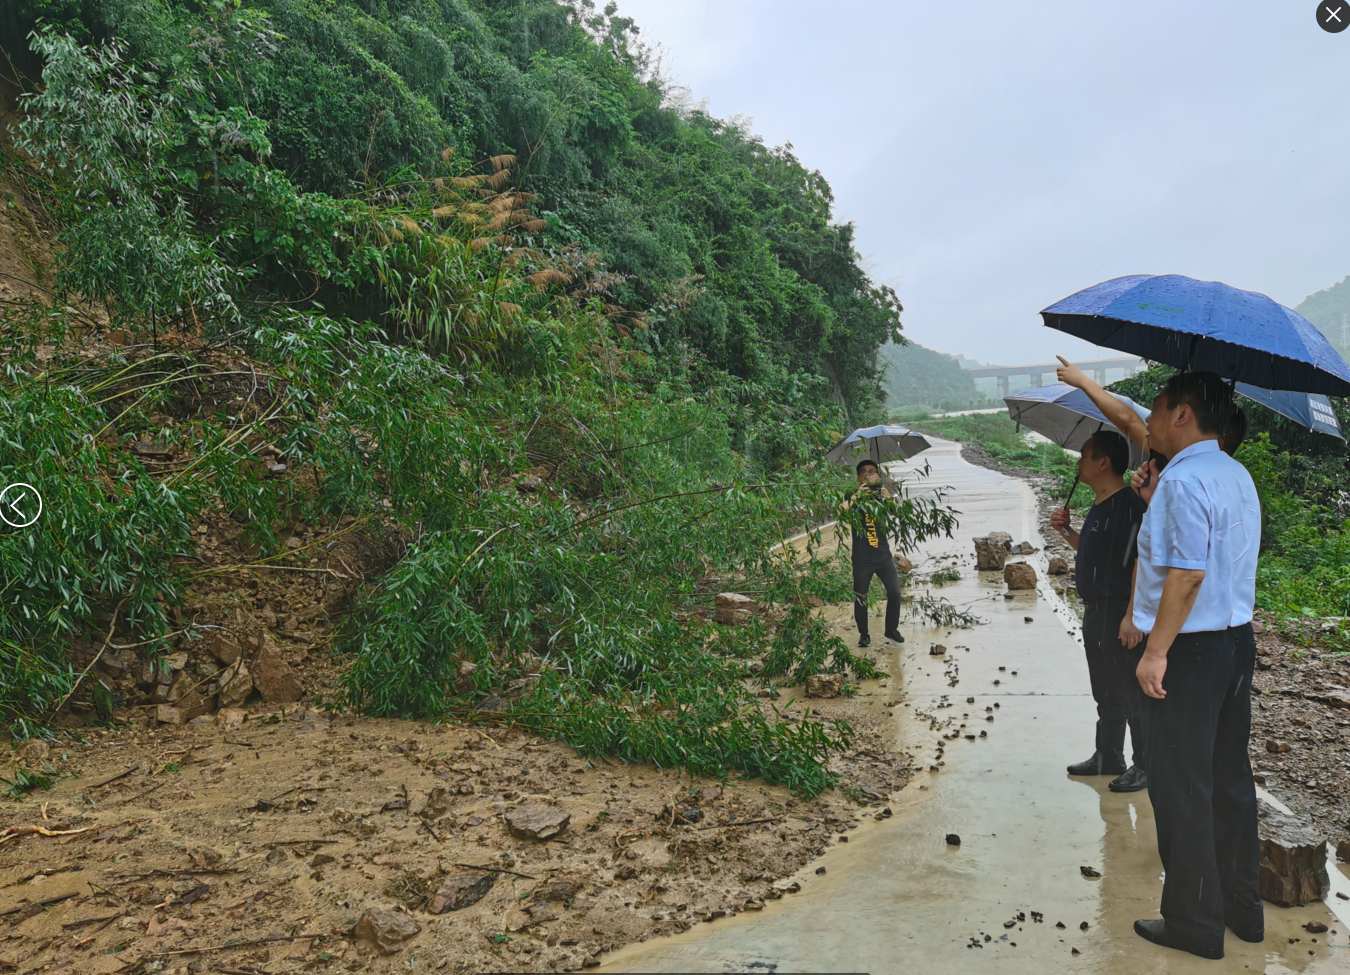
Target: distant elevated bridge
1037,371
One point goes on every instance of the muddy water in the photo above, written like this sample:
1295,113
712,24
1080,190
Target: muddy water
898,898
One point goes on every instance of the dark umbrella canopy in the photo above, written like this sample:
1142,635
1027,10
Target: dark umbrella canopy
1308,410
1205,326
878,444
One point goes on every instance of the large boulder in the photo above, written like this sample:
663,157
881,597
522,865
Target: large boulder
990,553
273,677
733,608
1019,575
824,685
1293,859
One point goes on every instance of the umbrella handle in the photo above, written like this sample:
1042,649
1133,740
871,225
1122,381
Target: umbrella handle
1071,490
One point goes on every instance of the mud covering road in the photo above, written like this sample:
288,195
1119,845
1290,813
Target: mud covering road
1014,895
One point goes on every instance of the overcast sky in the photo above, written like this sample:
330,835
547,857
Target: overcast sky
999,156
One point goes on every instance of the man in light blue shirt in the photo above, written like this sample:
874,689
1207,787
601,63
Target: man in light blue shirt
1195,586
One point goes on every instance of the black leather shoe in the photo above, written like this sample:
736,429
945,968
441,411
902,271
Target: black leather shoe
1135,779
864,640
1097,765
895,636
1249,925
1155,930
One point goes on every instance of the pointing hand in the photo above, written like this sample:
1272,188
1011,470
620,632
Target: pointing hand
1071,374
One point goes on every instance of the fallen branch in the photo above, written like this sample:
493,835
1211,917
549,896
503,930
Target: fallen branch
90,920
237,944
161,784
474,866
47,903
112,625
46,873
14,832
114,778
297,842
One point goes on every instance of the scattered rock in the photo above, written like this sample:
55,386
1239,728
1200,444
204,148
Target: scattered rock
224,648
168,714
1315,927
953,839
321,860
457,893
1275,746
903,565
824,685
1028,619
1258,627
936,650
1058,567
558,889
231,718
733,608
1083,926
1019,575
1343,851
536,821
1293,859
386,930
273,677
33,750
990,553
236,684
437,805
819,870
1090,873
1023,548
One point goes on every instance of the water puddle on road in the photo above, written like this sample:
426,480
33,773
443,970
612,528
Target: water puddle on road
898,898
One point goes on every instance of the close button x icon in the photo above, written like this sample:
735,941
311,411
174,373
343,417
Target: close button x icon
1333,16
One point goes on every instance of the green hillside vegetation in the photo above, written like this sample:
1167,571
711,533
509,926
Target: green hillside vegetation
1329,310
912,375
453,279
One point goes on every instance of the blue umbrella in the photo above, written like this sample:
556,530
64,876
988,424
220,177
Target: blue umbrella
1065,415
880,443
1306,409
1204,325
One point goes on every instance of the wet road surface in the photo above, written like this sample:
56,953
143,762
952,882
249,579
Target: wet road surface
897,898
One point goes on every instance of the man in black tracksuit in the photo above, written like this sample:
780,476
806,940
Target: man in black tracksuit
872,557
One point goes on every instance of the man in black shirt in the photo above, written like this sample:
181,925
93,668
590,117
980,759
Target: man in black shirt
872,557
1106,555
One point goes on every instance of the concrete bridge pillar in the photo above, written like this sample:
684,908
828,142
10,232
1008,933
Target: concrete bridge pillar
1036,380
1100,376
1002,386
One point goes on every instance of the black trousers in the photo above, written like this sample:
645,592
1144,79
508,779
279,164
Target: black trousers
862,581
1111,667
1200,783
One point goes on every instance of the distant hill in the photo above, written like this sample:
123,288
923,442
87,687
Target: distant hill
1329,310
913,375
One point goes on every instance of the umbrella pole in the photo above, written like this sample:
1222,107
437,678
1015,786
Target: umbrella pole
1071,490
